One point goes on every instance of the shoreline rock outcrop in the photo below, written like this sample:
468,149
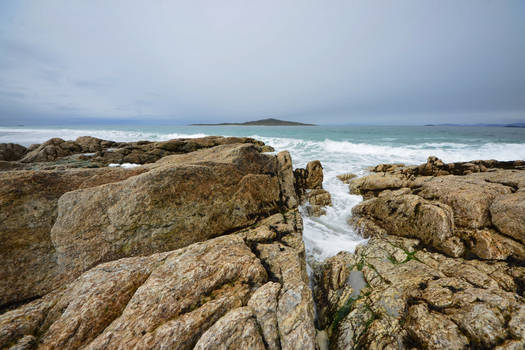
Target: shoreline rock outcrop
92,152
476,212
198,250
444,267
309,187
58,224
201,247
393,294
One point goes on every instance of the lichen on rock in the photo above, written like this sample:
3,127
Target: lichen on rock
443,268
201,249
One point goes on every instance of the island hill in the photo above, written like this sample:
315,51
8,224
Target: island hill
262,122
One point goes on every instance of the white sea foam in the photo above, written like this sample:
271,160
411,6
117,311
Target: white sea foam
327,235
124,165
27,136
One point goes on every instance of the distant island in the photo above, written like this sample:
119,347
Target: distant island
262,122
513,125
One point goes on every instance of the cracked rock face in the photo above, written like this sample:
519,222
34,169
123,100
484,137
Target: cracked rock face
478,211
199,250
443,268
212,294
417,299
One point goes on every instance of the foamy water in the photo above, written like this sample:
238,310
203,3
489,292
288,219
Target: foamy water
340,151
329,234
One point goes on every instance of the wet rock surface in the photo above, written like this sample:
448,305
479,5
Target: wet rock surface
346,178
444,266
308,183
309,178
318,199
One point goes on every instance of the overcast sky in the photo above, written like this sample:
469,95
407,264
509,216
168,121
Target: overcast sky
338,62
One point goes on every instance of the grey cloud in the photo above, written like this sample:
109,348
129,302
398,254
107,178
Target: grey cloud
91,84
335,61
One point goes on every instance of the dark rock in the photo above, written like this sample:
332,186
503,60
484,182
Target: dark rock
11,151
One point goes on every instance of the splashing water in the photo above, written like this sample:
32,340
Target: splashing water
329,234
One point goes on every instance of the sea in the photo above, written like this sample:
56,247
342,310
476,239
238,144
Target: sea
341,149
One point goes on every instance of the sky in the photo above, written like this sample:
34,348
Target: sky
326,61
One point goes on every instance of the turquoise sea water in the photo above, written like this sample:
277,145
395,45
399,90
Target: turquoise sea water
340,149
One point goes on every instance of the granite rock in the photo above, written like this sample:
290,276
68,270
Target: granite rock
405,296
460,209
209,295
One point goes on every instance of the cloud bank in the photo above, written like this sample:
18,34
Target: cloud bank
390,62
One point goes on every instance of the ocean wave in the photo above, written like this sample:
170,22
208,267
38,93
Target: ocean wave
327,235
409,154
26,136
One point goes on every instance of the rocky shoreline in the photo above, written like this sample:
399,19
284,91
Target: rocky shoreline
200,246
444,266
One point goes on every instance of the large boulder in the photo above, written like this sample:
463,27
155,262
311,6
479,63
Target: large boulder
57,225
476,212
28,211
11,151
209,295
184,199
